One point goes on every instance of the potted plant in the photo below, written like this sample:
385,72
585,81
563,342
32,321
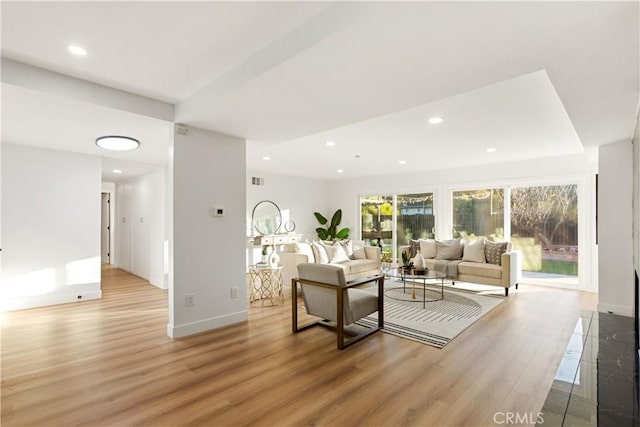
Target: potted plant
407,263
331,232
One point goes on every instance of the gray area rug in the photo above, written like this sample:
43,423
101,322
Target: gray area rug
440,321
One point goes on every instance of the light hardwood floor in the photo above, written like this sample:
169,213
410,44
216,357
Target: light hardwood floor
110,362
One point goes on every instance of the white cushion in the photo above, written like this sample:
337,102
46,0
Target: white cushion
473,251
449,249
427,248
347,245
358,252
336,253
319,253
305,249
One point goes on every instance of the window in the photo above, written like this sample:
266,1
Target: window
479,213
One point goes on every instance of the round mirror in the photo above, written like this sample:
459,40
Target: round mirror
289,226
266,217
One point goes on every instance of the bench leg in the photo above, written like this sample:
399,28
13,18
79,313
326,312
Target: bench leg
516,286
506,292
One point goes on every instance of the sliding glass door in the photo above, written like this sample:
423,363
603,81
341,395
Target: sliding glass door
416,219
544,227
376,223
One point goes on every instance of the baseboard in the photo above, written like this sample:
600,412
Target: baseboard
620,310
158,282
22,303
206,324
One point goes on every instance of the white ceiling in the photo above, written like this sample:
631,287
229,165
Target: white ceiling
531,79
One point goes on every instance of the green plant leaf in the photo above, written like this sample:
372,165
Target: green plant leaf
336,218
322,220
343,234
322,233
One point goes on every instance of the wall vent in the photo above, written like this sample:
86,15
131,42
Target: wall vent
255,180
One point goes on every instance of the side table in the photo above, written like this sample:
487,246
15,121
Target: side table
266,284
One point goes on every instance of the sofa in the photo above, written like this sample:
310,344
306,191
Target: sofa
481,261
355,259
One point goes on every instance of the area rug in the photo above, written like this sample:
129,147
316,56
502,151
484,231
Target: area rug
436,324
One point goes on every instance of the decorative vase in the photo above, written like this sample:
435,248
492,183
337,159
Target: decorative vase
418,262
274,259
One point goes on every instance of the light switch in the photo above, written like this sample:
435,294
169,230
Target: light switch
216,211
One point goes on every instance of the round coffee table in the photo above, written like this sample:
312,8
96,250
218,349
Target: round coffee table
413,277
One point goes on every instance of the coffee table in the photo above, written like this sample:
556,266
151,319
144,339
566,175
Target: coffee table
412,276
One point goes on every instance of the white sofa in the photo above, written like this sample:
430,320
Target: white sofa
473,269
368,263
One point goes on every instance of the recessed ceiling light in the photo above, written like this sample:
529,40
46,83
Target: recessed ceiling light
491,150
435,120
266,158
77,50
340,170
402,162
117,171
331,143
117,143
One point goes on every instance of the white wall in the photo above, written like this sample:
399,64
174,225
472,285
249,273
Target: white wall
300,196
209,170
141,227
50,226
124,227
580,169
615,235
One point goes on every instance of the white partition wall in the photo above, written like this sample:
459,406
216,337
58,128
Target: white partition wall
615,230
208,251
50,227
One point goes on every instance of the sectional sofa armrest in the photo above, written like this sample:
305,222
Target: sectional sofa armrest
511,268
374,252
289,262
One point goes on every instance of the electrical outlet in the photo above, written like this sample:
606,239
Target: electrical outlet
190,300
234,292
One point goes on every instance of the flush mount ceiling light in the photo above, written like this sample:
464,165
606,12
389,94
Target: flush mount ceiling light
266,158
117,171
402,162
435,120
340,170
491,150
117,143
331,144
77,50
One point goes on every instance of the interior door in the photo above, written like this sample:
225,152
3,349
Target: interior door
105,243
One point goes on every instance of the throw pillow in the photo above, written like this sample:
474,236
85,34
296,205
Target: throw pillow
493,251
358,252
306,249
347,245
336,253
449,249
474,251
319,253
414,247
427,248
